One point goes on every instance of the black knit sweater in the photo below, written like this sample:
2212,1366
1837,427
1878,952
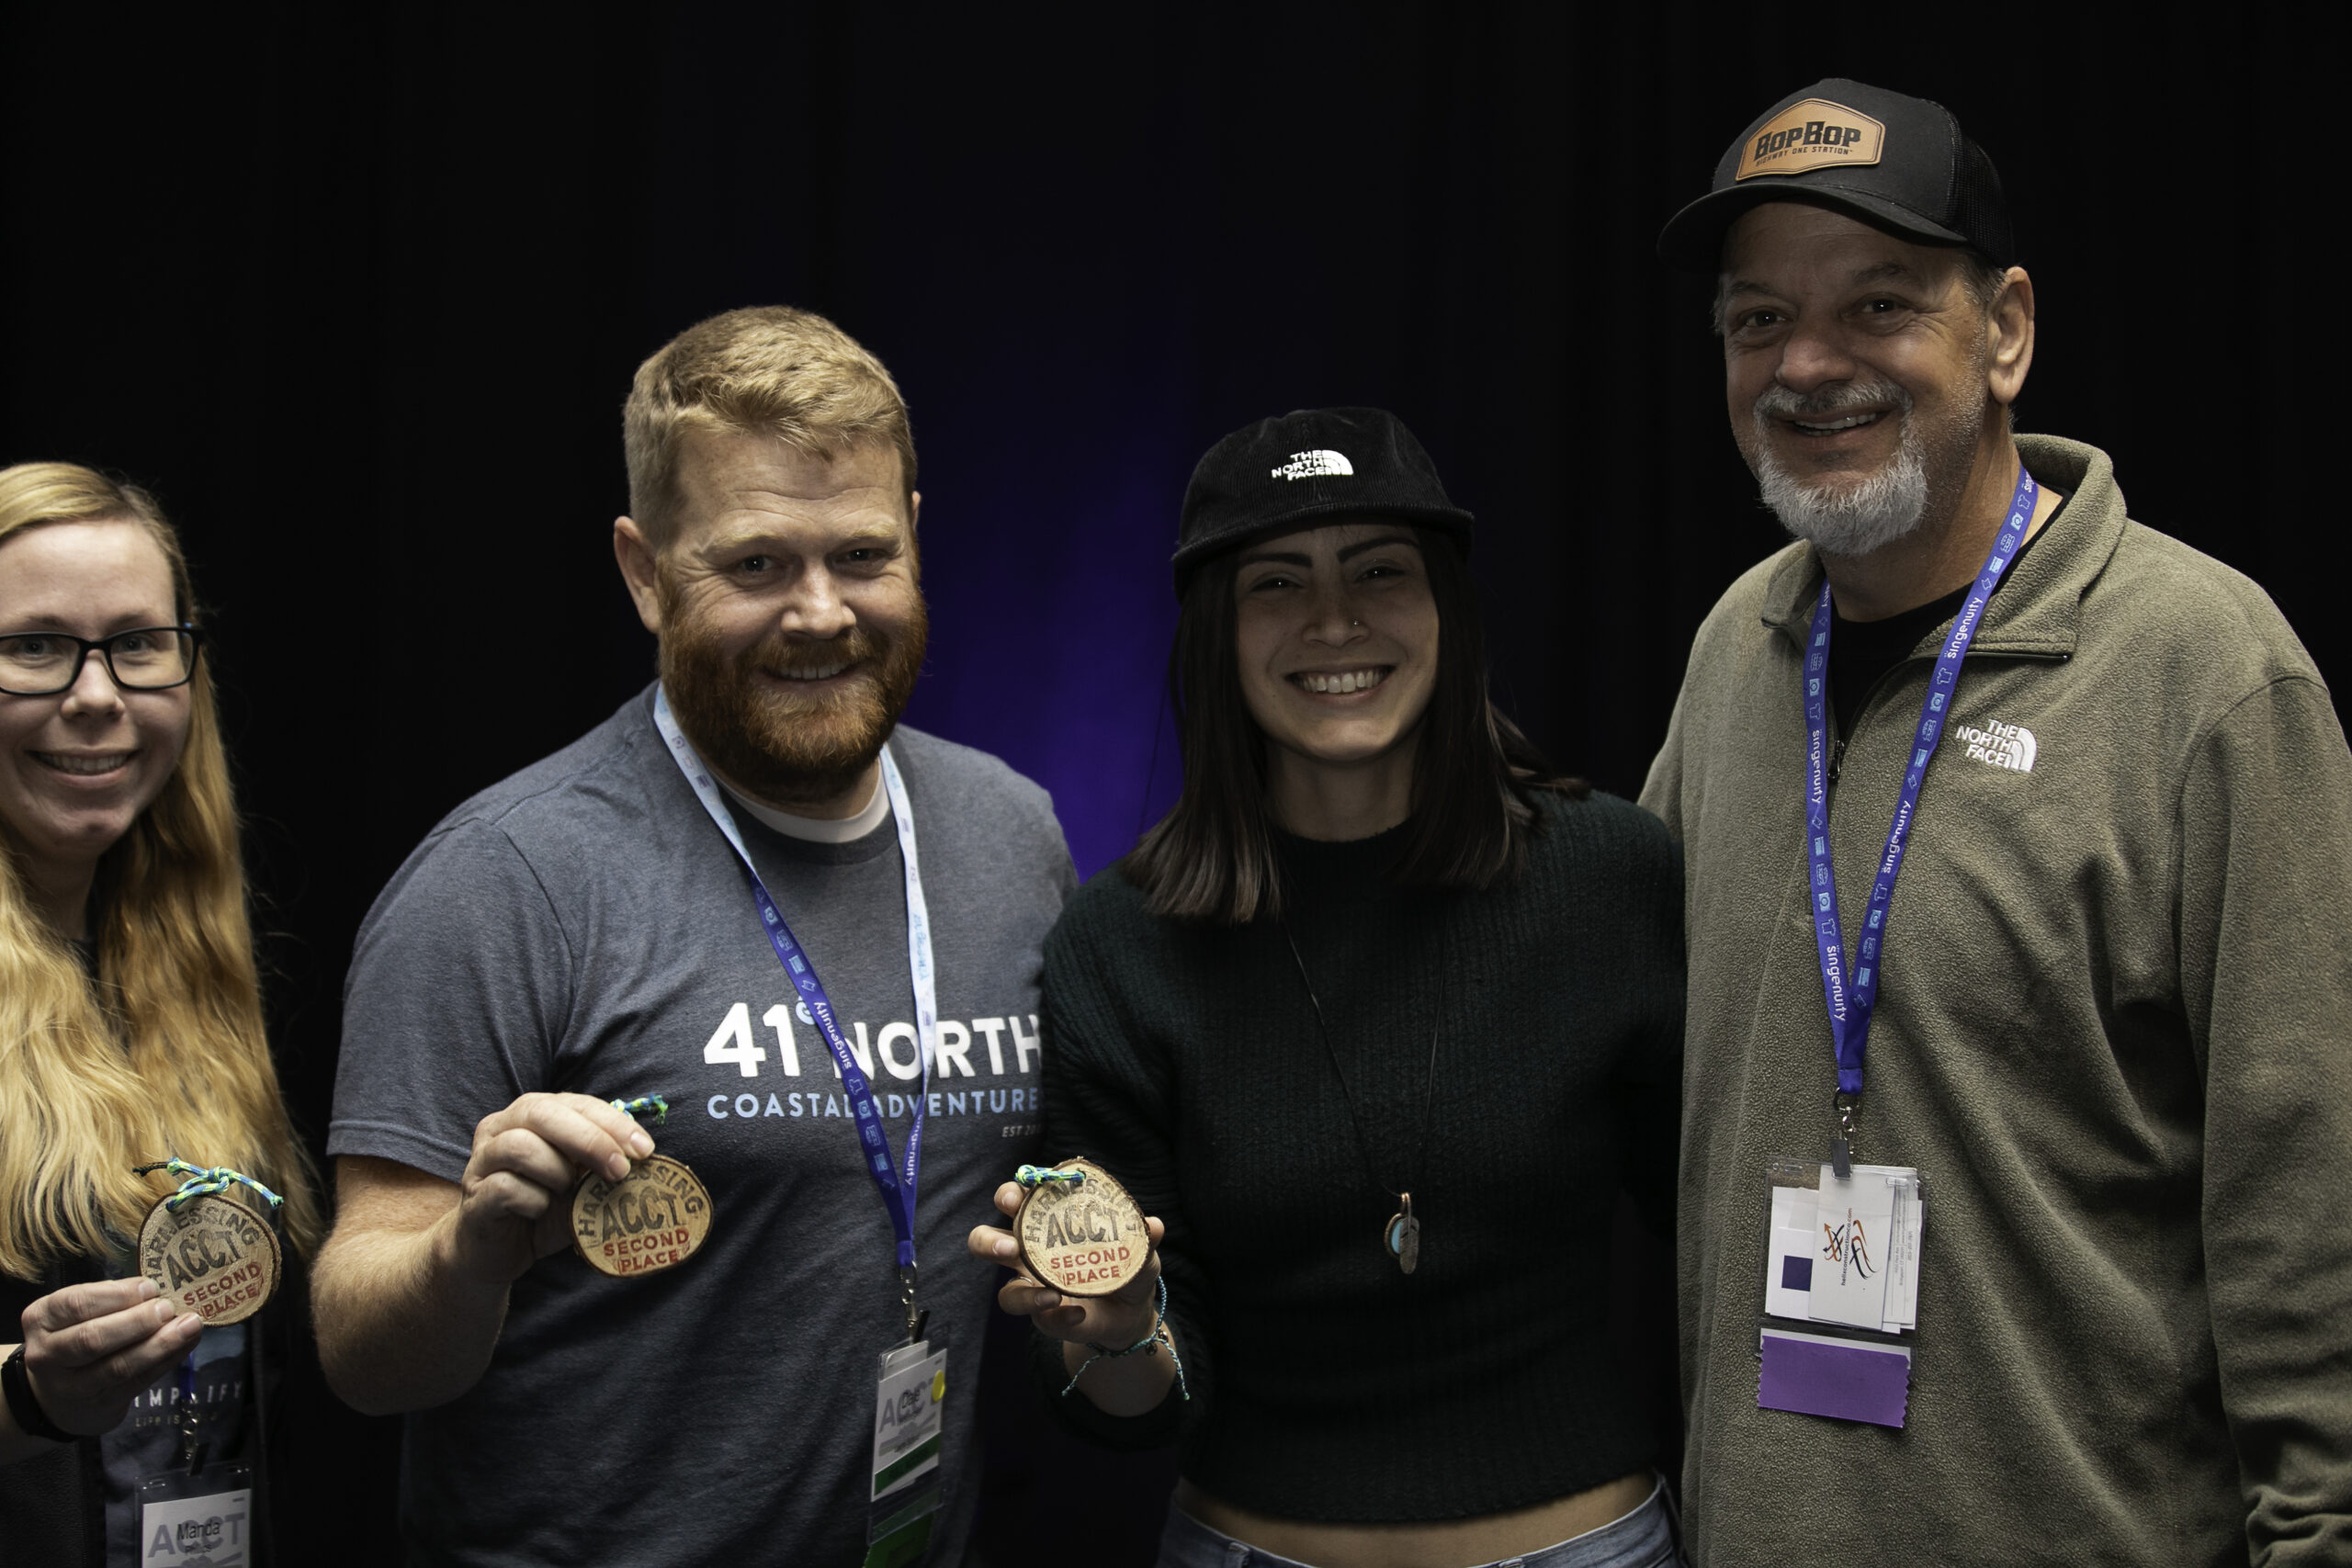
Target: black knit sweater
1326,1384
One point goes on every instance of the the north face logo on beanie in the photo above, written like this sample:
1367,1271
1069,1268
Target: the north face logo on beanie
1314,464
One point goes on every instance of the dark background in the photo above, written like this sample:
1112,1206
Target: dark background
359,293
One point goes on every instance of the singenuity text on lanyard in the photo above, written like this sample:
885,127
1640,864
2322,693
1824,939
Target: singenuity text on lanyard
1850,1006
894,1179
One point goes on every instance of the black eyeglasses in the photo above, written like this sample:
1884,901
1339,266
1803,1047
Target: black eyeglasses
145,658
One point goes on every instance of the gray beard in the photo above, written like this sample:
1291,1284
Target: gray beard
1850,520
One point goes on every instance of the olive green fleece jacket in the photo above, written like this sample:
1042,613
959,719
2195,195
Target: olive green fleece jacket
2112,1031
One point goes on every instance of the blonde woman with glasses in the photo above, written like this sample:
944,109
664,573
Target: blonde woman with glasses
131,1032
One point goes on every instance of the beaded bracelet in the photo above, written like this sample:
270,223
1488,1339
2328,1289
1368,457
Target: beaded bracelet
1148,1345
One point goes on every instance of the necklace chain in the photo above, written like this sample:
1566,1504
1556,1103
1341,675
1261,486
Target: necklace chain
1429,1084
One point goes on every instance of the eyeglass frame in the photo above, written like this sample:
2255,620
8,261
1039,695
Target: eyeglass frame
103,647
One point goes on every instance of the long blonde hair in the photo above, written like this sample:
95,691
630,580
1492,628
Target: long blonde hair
165,1055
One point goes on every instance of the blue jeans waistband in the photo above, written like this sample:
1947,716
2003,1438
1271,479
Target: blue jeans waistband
1642,1539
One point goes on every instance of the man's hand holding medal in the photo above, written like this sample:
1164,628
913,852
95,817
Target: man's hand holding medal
514,1200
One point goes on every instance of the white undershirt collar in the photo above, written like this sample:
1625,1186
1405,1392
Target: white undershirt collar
820,829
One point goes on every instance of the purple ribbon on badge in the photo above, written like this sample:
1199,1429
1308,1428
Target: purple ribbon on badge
1814,1375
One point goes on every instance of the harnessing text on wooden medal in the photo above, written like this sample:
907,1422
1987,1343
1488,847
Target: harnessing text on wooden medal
211,1255
654,1218
1084,1237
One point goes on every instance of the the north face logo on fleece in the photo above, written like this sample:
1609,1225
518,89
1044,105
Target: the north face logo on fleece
2010,745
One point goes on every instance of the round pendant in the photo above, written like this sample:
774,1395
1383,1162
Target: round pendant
214,1257
1083,1238
654,1218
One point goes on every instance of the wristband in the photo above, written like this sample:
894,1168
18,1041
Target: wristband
23,1405
1150,1334
1148,1345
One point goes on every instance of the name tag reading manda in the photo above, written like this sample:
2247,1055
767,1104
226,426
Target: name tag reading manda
196,1522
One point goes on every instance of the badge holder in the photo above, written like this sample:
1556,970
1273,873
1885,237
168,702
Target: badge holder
1841,1290
196,1515
910,1407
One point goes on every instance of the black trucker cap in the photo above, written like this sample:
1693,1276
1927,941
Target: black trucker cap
1279,475
1898,163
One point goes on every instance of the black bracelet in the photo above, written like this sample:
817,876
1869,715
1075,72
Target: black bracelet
25,1405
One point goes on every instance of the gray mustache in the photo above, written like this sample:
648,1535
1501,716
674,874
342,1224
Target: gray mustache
1777,401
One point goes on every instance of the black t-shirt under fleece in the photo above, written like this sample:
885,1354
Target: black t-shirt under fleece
1861,653
1326,1383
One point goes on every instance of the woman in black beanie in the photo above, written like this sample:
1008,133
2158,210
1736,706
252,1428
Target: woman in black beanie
1376,1024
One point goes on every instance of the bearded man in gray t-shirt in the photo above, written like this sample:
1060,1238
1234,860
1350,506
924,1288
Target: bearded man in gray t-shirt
595,931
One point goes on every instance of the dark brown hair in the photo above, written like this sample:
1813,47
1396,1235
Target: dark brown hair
1212,857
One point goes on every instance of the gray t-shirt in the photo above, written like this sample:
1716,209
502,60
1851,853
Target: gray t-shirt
584,926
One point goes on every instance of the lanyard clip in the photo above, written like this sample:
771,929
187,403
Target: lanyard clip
1847,1109
193,1448
907,1302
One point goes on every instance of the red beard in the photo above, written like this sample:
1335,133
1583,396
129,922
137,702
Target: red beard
786,749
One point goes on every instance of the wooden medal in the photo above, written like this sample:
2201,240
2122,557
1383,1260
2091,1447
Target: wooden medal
1084,1238
654,1218
212,1256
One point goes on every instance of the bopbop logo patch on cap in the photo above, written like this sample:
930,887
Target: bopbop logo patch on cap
1810,135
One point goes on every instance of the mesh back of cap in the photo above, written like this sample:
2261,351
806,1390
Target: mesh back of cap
1980,210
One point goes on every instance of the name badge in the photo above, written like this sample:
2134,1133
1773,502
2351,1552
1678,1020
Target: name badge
910,1409
1841,1290
197,1521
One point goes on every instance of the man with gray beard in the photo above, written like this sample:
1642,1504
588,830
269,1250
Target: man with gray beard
2018,1103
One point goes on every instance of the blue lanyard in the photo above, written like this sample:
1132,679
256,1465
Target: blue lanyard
895,1180
1851,1005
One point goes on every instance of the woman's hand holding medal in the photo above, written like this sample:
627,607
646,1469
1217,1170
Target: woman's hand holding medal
514,1200
91,1349
1087,1272
1118,1320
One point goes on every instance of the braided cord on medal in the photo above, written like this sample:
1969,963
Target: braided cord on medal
1429,1084
1148,1346
203,1181
643,1103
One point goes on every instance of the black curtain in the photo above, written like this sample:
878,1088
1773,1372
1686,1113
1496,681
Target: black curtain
357,290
